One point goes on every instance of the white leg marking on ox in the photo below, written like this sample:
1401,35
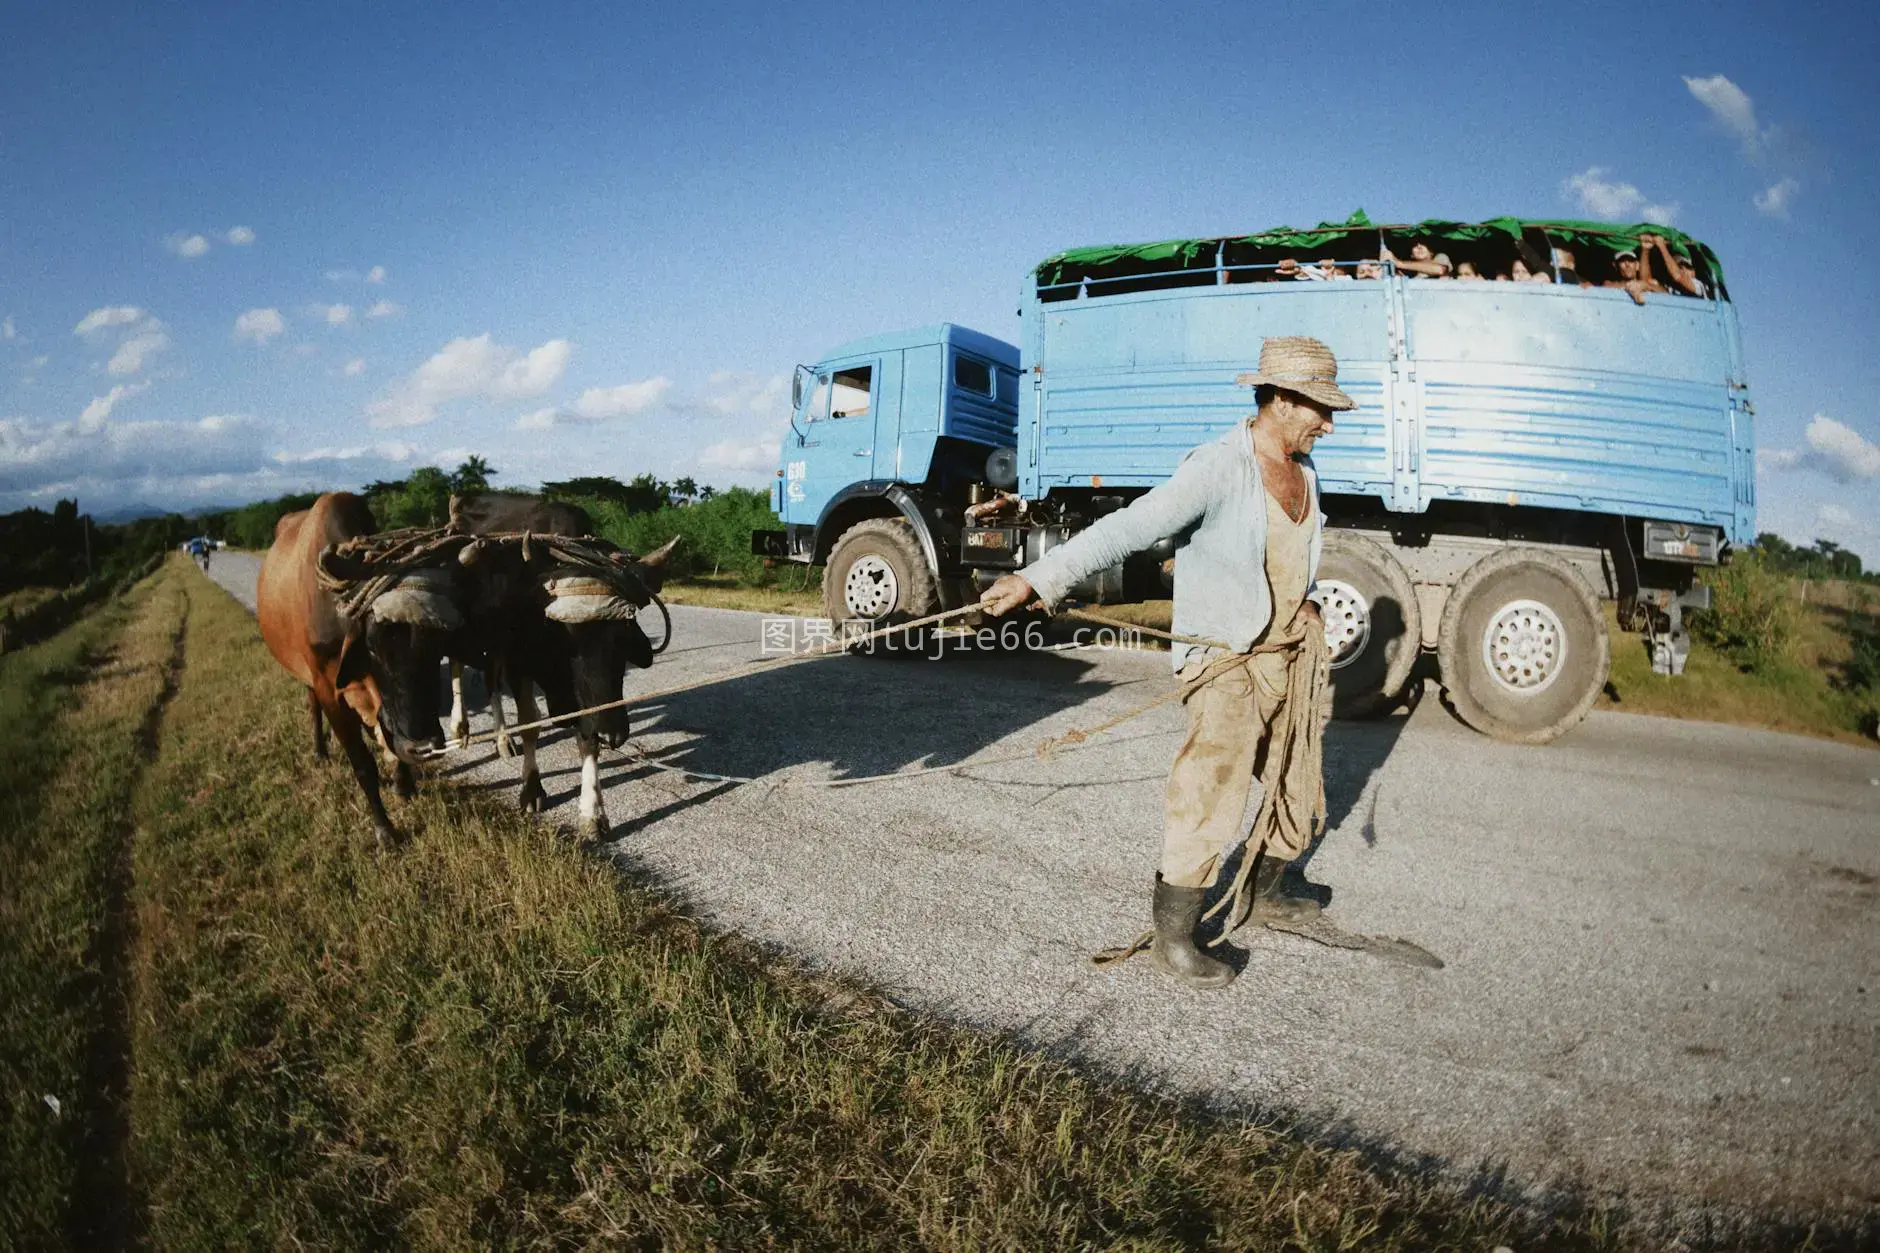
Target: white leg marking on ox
504,748
385,746
593,808
459,720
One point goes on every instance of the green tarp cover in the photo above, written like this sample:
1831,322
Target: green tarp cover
1180,254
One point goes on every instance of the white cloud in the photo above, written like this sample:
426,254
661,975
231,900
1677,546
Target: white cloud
1776,199
110,315
730,392
342,276
7,330
260,325
1829,447
34,455
742,455
337,315
469,367
187,246
540,370
384,452
1614,201
1733,110
384,309
355,367
218,460
599,403
537,420
241,236
134,352
376,274
100,408
145,338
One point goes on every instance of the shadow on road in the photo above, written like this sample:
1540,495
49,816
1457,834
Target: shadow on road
871,715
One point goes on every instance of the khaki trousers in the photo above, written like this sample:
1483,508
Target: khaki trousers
1230,719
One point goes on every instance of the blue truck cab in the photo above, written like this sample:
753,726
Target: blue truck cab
1522,450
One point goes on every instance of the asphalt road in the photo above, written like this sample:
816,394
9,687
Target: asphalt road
1662,954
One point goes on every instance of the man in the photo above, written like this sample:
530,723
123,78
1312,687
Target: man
1327,271
1678,267
1423,263
1244,513
1370,269
1630,278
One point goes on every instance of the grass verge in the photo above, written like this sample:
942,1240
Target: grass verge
1797,694
792,590
75,713
491,1039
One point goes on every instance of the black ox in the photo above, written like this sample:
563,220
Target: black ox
534,620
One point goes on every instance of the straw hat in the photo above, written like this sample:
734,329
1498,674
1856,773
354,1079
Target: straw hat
1300,364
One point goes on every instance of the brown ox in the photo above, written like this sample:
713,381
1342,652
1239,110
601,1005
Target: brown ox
357,673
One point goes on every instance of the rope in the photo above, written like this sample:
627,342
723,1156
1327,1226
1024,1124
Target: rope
1170,636
1295,761
772,663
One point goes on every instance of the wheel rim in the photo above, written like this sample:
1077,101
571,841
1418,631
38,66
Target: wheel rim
1525,646
871,590
1347,617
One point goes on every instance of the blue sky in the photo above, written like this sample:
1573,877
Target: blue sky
312,246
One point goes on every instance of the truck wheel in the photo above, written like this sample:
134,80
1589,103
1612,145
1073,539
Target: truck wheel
1373,623
1524,648
878,574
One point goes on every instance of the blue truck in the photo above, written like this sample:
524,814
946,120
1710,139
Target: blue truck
1523,450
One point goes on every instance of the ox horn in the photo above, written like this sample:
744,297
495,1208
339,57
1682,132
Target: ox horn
651,569
657,558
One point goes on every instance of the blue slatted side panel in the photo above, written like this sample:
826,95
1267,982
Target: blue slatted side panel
1572,399
1576,440
1132,383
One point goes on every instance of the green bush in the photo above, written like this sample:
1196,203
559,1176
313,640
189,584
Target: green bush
714,535
1752,616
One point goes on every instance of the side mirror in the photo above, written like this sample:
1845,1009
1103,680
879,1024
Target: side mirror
796,399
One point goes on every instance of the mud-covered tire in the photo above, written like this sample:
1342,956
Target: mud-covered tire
877,573
1372,622
1523,646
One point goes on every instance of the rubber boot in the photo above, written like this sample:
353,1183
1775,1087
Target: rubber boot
1264,902
1177,913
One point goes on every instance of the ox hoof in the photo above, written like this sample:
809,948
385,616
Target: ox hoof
531,799
404,782
504,748
459,732
595,829
390,838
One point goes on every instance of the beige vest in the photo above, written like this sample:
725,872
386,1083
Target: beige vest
1288,559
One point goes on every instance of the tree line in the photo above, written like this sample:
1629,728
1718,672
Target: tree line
1825,560
63,548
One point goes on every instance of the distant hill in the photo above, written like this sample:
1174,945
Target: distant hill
125,513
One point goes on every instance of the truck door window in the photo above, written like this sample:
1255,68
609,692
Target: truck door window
852,385
818,406
972,376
